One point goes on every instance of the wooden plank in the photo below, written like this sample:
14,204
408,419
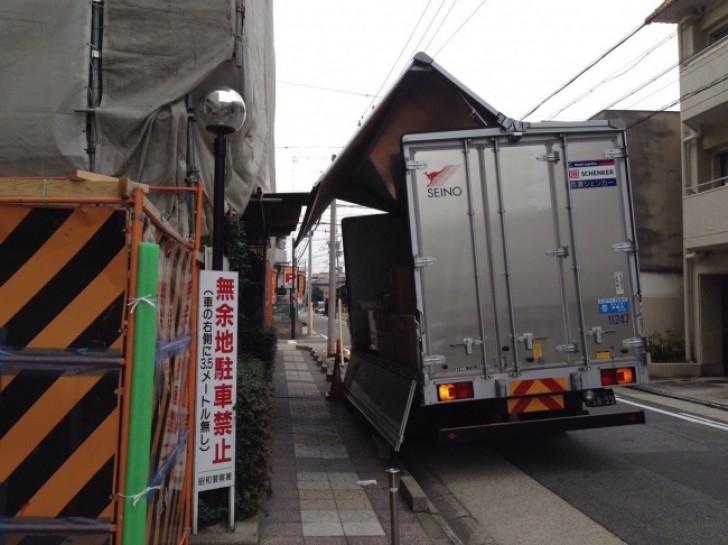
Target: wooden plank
78,185
86,176
54,188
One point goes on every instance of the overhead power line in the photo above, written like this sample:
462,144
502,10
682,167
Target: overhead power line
618,73
641,86
328,89
690,94
429,26
396,61
584,70
465,22
442,22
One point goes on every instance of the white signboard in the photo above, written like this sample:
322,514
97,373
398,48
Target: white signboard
589,174
217,347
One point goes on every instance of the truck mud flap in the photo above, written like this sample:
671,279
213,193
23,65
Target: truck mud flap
536,427
382,395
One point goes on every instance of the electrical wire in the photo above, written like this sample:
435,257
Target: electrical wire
690,94
476,10
641,86
619,72
584,70
416,48
396,61
631,105
442,21
328,89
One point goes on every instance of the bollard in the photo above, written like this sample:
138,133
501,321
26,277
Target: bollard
393,505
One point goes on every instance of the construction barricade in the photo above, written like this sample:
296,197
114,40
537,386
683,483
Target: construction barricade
97,309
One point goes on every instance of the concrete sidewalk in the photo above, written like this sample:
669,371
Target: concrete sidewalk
710,391
329,484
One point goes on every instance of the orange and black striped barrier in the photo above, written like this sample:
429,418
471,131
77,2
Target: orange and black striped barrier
67,268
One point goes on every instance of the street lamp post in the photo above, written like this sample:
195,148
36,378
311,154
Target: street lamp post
222,112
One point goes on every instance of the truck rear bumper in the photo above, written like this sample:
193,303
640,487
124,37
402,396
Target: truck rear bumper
546,425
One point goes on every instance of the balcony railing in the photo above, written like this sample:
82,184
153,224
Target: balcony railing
706,186
704,214
704,81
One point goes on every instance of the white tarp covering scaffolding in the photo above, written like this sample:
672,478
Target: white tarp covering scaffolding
105,86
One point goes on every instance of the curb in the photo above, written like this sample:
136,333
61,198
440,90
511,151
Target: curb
663,393
454,518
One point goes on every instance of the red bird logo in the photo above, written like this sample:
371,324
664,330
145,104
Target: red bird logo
439,177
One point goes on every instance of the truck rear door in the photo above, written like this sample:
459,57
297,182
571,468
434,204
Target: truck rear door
524,250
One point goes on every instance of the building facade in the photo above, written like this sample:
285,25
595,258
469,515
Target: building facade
653,140
703,51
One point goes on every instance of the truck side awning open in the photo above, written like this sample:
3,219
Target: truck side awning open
369,171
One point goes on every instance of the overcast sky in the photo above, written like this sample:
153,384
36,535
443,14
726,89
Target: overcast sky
336,58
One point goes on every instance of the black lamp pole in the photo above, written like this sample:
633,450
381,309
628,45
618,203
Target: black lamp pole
218,203
222,112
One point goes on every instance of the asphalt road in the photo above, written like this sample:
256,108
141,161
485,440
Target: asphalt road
665,482
320,327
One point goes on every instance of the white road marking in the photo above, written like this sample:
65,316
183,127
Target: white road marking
683,416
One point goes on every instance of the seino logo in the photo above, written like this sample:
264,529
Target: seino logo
436,183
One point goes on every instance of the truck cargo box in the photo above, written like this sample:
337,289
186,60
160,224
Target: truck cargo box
511,285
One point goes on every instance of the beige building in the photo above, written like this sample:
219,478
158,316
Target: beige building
703,49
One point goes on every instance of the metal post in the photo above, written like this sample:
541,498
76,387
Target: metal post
218,203
309,284
294,282
393,475
331,343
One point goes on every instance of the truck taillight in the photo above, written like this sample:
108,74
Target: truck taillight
456,390
618,375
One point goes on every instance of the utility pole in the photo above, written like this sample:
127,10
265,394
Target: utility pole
309,286
331,343
294,282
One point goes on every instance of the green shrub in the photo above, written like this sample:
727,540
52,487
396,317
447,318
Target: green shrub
254,412
667,346
259,344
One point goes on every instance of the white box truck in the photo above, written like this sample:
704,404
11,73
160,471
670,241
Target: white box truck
506,300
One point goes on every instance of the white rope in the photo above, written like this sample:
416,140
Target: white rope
136,497
148,299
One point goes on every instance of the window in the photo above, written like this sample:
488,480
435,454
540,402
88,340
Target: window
721,168
717,35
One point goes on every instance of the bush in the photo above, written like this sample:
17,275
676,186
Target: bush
259,344
254,412
667,346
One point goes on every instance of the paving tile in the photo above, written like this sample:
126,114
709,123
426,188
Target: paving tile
322,515
314,485
363,529
322,529
320,464
325,540
357,515
317,504
312,476
315,495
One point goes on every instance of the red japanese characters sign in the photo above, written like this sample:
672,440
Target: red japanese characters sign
217,342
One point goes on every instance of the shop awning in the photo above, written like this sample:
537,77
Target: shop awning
370,171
